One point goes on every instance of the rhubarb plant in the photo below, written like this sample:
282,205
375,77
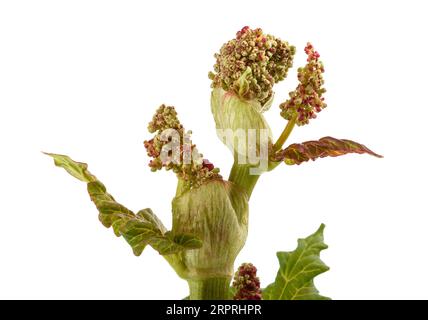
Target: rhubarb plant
210,212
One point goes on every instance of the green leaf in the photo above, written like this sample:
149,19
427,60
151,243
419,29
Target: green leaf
188,241
76,169
139,230
148,215
295,278
325,147
139,233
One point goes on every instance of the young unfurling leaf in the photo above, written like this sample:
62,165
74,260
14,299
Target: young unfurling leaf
325,147
140,229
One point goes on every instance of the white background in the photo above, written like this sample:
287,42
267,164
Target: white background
84,78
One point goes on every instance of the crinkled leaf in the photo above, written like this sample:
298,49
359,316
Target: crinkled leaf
325,147
76,169
148,215
140,233
138,229
188,241
295,278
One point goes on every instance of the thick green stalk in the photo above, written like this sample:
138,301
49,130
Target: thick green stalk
241,176
285,133
282,139
240,173
210,289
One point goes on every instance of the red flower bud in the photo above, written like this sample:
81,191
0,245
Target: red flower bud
246,283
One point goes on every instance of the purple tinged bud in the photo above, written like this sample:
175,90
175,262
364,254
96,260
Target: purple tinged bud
307,99
246,283
194,173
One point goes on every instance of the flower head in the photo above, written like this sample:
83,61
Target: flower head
172,149
164,118
307,99
246,283
251,64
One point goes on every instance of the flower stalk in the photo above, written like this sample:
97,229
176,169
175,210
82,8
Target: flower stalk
240,175
285,133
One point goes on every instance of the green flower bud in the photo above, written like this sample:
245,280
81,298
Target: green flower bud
217,213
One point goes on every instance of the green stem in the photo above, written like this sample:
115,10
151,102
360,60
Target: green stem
181,187
240,175
285,133
209,289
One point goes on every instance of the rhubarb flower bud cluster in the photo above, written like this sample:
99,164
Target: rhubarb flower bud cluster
251,64
246,283
172,149
307,99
